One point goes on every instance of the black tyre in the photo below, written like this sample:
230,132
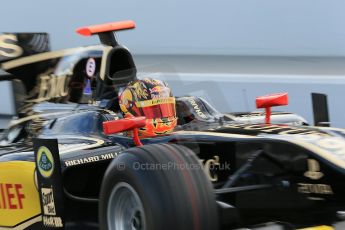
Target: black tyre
157,187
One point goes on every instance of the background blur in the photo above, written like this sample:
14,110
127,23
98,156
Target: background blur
231,27
228,51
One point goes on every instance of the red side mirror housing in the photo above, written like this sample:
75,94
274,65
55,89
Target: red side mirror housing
125,124
269,101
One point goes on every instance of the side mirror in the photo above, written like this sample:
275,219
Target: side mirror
121,125
269,101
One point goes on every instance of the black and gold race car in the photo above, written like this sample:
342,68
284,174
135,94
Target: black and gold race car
66,164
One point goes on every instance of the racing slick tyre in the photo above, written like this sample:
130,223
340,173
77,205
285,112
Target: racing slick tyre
155,187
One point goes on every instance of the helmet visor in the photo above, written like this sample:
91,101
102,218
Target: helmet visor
159,111
158,108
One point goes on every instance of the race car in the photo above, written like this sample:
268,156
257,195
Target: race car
66,162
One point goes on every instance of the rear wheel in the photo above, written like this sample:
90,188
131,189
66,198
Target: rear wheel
157,187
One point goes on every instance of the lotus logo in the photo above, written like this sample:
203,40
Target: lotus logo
45,162
313,170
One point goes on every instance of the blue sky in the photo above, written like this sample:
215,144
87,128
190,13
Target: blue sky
230,27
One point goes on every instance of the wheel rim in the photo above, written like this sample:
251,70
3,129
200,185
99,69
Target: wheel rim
125,209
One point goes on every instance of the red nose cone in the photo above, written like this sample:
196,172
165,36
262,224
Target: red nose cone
271,100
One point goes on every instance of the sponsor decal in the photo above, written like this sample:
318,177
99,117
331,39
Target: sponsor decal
53,222
11,196
45,162
91,159
196,108
48,201
209,167
155,101
50,87
321,189
19,198
90,67
9,47
313,170
158,101
49,182
212,166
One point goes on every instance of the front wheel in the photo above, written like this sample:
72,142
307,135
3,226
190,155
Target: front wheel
155,187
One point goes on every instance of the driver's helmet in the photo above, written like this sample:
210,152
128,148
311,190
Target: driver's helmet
152,99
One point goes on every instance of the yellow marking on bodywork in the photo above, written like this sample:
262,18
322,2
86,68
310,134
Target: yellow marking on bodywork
98,142
19,197
323,227
46,56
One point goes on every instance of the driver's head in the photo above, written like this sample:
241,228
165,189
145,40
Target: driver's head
154,100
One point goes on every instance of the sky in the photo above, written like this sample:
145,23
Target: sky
220,27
